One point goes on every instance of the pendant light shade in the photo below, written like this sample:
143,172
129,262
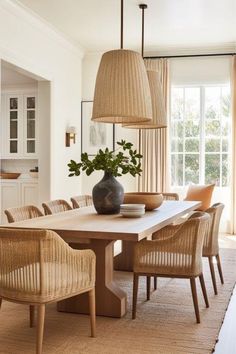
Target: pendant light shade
122,91
159,119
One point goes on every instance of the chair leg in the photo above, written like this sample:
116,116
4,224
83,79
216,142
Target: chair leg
40,328
155,283
213,277
92,310
32,312
219,268
135,295
202,282
195,300
148,287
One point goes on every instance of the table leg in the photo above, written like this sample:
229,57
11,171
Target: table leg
110,299
124,260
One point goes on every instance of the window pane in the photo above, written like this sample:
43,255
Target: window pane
13,103
31,129
192,128
177,103
212,128
212,102
192,103
30,146
30,114
13,129
13,115
225,127
192,145
177,130
177,170
191,169
13,146
226,101
212,169
225,145
212,145
30,102
177,145
225,170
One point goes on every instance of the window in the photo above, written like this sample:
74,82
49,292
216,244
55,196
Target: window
200,135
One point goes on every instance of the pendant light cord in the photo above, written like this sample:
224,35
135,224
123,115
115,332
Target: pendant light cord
122,25
142,7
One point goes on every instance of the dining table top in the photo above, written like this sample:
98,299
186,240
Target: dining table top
86,223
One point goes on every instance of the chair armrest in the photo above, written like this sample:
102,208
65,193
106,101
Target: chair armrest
85,261
166,232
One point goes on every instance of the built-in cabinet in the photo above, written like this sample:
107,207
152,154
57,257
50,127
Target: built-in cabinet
19,128
16,193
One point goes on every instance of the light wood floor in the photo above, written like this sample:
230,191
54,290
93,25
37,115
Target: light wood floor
227,337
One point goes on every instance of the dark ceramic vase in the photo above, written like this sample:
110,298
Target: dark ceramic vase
108,195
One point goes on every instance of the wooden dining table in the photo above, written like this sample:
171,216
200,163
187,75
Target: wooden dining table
83,228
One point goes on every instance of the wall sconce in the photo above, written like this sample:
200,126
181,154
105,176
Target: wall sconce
70,135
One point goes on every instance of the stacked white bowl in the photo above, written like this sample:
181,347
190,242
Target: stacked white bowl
132,210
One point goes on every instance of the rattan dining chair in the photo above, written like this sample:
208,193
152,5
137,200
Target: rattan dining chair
170,196
38,267
22,213
176,252
81,201
166,196
56,206
211,242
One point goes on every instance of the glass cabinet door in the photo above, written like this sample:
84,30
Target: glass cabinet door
30,125
13,124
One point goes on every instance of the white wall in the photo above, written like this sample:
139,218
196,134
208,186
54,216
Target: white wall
90,67
27,42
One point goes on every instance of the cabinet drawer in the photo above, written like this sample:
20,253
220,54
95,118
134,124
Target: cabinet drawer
10,197
29,194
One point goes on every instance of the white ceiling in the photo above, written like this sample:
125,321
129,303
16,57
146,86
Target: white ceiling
95,24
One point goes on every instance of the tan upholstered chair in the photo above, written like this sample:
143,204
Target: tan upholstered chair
176,252
38,267
56,206
170,196
22,213
81,201
211,241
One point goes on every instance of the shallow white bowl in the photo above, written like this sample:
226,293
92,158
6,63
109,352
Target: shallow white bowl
132,214
132,206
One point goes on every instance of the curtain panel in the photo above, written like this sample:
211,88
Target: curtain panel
154,142
233,173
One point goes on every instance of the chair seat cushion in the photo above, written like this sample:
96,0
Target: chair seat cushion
202,194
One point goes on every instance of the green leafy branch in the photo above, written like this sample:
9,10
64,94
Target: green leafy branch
117,163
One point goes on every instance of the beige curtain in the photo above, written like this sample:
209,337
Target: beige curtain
233,175
153,142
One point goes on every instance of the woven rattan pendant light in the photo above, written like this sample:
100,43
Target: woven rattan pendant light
159,119
122,91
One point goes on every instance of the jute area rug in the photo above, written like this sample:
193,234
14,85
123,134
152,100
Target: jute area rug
164,325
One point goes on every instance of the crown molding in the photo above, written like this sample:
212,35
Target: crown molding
174,50
206,49
19,10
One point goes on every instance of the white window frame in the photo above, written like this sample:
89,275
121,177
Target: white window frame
201,152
